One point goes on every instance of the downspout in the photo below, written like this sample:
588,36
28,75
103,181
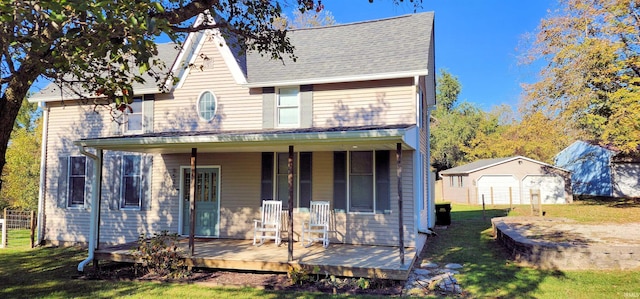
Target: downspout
43,168
95,208
430,191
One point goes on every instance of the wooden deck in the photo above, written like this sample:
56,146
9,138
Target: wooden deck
337,259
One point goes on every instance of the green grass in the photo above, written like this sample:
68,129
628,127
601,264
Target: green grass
592,211
488,273
51,273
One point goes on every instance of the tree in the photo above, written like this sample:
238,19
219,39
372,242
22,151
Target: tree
69,41
452,125
591,82
307,19
535,136
22,171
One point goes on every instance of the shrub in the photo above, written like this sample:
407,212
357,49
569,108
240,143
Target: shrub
161,256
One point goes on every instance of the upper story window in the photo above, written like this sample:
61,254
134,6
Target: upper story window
207,105
77,178
288,107
133,117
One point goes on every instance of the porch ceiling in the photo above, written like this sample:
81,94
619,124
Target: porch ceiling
333,139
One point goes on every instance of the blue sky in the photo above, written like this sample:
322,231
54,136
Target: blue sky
477,41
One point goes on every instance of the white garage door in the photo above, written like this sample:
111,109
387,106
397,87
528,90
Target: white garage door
627,179
498,187
551,188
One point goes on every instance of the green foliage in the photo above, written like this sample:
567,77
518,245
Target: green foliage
592,79
27,116
161,256
21,175
363,283
448,89
107,46
535,137
303,274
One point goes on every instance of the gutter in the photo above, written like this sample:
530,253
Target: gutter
43,168
350,78
95,204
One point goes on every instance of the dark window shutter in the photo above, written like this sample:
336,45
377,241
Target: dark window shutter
340,181
383,182
114,179
305,179
147,170
147,113
266,187
63,184
306,106
88,182
268,107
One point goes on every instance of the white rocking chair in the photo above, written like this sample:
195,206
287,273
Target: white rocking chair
317,227
268,227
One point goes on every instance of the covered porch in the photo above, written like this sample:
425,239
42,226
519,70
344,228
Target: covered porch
338,259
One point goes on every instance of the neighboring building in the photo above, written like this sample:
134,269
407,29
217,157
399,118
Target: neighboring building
600,171
356,93
505,181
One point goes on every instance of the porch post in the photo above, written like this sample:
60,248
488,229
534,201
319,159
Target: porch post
399,176
192,201
290,210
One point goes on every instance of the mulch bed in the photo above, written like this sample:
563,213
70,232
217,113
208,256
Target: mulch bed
267,281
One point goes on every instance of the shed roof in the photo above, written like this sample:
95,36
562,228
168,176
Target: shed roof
486,163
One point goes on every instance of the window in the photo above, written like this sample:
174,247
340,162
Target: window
131,186
279,189
288,107
133,117
362,181
77,178
455,181
207,105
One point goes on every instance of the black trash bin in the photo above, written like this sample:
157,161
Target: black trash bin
443,214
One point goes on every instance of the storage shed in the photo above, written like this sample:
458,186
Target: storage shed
506,180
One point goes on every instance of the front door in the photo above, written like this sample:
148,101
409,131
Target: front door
207,201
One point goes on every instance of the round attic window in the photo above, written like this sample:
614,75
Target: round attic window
207,105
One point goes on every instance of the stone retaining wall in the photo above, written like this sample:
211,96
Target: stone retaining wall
565,255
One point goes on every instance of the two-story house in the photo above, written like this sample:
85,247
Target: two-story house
354,108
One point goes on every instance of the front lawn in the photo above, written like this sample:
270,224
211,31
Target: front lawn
51,273
590,211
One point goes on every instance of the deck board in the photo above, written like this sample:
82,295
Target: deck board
338,259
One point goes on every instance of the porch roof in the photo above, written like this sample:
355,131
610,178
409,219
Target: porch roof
305,139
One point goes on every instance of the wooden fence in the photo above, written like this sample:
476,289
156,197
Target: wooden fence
14,219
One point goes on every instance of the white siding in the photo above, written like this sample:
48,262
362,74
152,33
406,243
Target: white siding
237,108
364,103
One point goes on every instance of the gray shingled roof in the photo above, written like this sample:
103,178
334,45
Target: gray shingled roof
475,166
379,47
399,44
167,52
